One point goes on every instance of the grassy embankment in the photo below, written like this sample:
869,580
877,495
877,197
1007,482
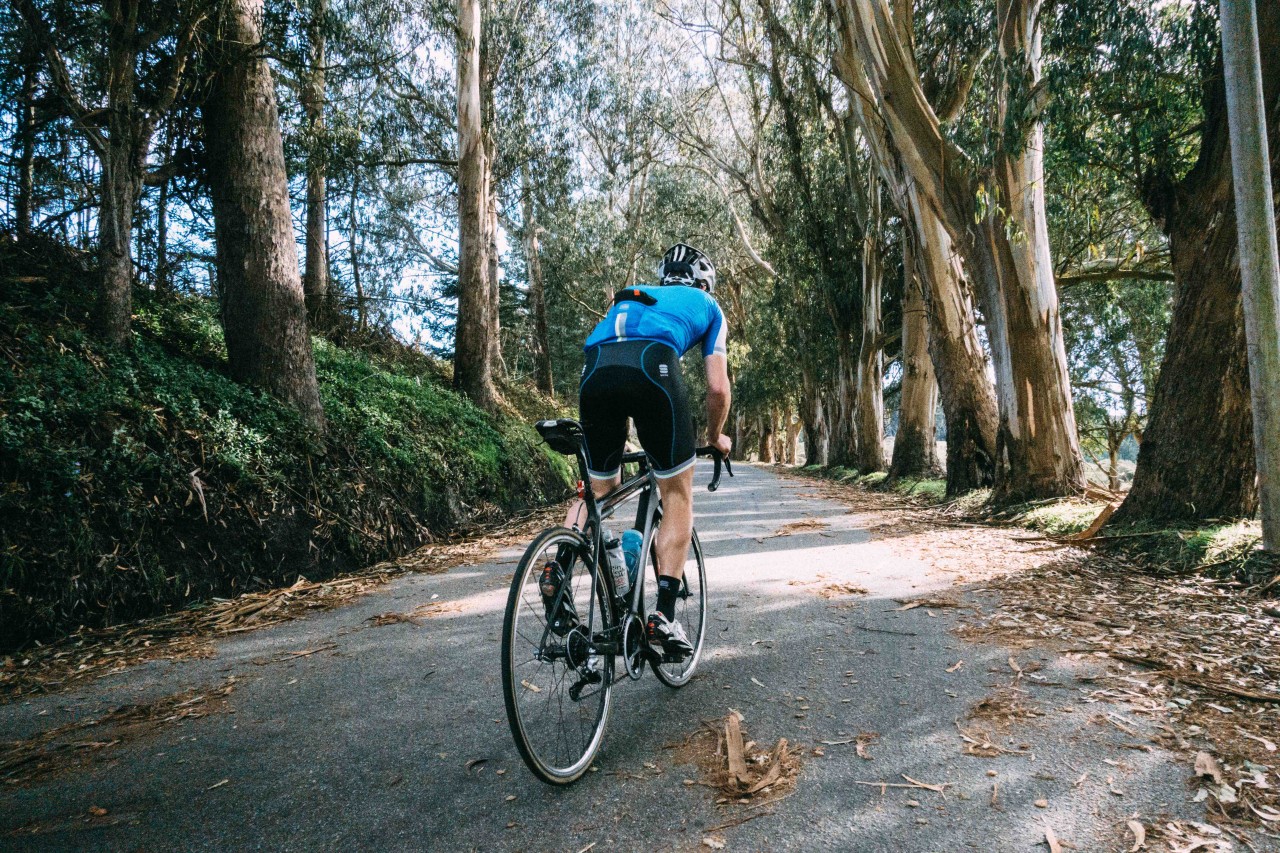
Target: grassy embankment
1223,549
135,482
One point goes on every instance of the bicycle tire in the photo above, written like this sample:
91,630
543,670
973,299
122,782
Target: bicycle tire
554,750
691,611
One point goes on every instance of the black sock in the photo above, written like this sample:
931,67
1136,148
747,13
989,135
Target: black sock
668,589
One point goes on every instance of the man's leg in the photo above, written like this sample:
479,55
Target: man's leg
677,523
673,549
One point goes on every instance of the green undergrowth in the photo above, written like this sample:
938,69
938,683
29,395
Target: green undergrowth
928,490
1220,549
134,482
1227,549
1059,517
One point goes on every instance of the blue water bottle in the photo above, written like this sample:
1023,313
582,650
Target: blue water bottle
632,541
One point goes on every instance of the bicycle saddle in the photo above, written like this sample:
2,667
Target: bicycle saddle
563,435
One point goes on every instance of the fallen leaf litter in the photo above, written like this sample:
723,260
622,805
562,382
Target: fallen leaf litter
97,652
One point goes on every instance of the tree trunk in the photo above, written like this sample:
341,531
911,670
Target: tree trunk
870,398
24,204
843,448
872,67
472,365
123,164
353,251
163,279
1256,232
496,358
263,309
915,447
793,430
766,439
814,418
1037,449
537,297
1114,440
959,364
315,279
1196,458
739,436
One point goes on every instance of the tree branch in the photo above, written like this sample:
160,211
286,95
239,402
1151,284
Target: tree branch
61,77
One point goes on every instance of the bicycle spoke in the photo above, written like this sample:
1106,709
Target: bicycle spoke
559,725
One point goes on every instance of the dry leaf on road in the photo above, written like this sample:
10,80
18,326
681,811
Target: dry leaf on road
1139,835
1207,765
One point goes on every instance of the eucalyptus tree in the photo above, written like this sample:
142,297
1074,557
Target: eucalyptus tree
915,445
1156,119
1251,158
995,216
473,360
116,100
956,352
315,277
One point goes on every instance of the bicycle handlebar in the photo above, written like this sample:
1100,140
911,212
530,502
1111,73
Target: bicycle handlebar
717,457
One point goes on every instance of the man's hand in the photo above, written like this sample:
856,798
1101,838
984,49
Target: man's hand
722,443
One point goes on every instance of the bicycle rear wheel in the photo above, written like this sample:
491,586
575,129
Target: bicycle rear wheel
691,612
556,685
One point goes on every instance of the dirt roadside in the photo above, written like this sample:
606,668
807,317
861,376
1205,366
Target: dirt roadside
1197,657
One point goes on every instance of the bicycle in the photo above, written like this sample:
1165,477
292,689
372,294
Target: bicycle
545,662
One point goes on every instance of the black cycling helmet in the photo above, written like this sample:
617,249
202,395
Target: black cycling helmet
683,264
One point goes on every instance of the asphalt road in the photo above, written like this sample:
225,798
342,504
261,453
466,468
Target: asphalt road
365,746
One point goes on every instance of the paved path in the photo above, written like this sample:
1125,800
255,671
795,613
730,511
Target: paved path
364,747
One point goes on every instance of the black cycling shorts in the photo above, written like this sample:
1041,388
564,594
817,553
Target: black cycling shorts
639,380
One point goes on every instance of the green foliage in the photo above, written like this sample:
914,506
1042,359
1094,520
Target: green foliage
135,481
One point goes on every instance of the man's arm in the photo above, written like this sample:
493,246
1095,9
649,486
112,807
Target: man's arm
718,398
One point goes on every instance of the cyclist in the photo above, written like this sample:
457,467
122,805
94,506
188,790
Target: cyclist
632,370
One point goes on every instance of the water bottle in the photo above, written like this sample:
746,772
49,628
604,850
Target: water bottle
632,541
617,563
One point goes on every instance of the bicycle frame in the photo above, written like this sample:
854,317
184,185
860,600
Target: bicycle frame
601,509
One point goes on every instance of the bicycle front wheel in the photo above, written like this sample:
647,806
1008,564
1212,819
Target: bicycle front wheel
556,684
691,612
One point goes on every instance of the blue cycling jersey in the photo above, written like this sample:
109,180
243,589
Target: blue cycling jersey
680,317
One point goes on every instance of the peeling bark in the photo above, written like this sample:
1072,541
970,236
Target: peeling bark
869,414
959,364
915,446
1039,453
968,400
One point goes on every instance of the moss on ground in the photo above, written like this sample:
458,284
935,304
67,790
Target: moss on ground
135,481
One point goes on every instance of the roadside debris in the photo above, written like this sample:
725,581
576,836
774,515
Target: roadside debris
93,652
740,770
72,745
